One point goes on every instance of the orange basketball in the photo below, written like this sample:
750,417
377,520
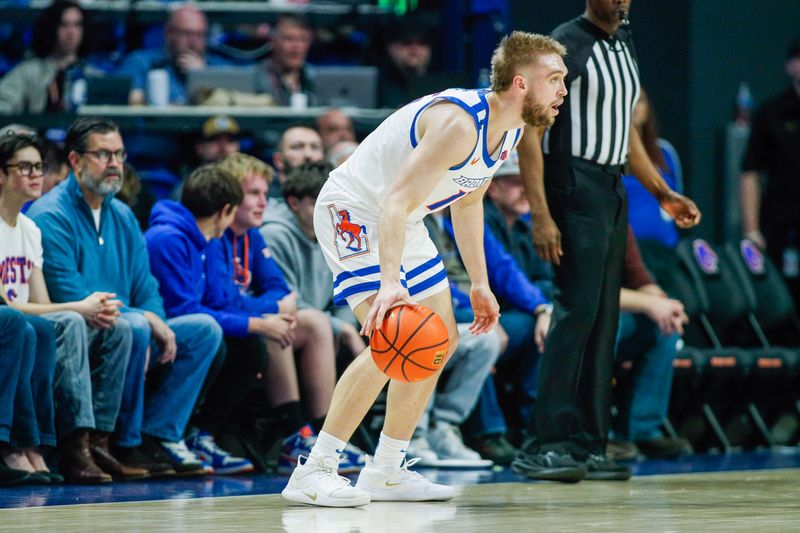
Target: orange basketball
411,344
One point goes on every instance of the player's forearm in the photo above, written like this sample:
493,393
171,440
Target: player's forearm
468,229
391,241
750,197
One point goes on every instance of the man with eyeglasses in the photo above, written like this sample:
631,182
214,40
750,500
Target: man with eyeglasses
93,242
184,50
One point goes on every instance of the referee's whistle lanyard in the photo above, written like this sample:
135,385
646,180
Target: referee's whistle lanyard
241,273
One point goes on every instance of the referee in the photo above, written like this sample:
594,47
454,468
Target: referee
580,218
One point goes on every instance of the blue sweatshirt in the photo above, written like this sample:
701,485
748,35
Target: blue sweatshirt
79,259
177,258
506,279
255,296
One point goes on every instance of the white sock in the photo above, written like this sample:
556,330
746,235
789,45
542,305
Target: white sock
327,446
390,452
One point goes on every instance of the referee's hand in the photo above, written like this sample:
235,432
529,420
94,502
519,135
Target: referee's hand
681,208
547,239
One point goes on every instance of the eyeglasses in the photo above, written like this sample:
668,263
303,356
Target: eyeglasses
27,168
104,156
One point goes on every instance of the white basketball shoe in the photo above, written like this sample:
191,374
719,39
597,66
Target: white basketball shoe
316,482
399,484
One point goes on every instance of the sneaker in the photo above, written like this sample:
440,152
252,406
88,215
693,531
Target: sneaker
204,446
352,459
420,448
293,447
316,482
664,447
550,465
620,450
183,460
602,468
496,448
399,484
447,443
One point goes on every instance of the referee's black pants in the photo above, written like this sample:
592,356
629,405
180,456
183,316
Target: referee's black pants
572,413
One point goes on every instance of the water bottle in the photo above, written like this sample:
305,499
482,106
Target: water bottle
791,257
744,105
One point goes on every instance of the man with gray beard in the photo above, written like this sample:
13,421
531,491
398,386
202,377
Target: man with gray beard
92,242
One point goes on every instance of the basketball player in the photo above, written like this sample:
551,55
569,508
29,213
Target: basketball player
440,150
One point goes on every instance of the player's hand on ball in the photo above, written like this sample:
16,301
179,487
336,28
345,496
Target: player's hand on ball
389,295
680,208
486,309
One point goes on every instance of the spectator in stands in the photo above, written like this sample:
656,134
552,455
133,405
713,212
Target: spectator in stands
43,83
340,151
92,241
650,327
408,56
59,337
648,219
12,336
184,50
251,283
285,72
334,127
56,164
298,145
289,230
770,216
487,426
217,139
176,242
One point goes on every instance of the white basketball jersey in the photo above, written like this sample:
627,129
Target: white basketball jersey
375,164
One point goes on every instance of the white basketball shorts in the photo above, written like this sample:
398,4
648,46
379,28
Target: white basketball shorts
347,231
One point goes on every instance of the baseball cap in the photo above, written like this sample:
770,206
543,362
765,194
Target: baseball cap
510,166
219,125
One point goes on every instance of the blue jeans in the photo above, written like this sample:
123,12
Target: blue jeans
33,401
645,406
12,336
89,372
465,373
165,410
488,418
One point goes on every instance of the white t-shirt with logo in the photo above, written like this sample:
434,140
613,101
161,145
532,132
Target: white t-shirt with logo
20,252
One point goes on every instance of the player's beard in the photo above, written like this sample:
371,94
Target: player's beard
535,114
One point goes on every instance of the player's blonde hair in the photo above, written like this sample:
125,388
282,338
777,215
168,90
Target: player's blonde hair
518,50
239,165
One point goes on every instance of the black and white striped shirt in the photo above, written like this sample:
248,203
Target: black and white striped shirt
603,84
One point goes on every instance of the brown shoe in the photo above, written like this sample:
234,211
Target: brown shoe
98,444
620,450
77,465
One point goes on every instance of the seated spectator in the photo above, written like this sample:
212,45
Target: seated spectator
646,217
217,139
251,283
285,72
42,84
298,145
12,336
407,58
93,242
176,242
487,426
289,231
58,340
184,50
650,328
334,127
56,165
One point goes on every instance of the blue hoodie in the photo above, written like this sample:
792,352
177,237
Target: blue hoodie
177,258
79,259
267,284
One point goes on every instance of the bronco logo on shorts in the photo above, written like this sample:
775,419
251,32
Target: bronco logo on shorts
350,238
